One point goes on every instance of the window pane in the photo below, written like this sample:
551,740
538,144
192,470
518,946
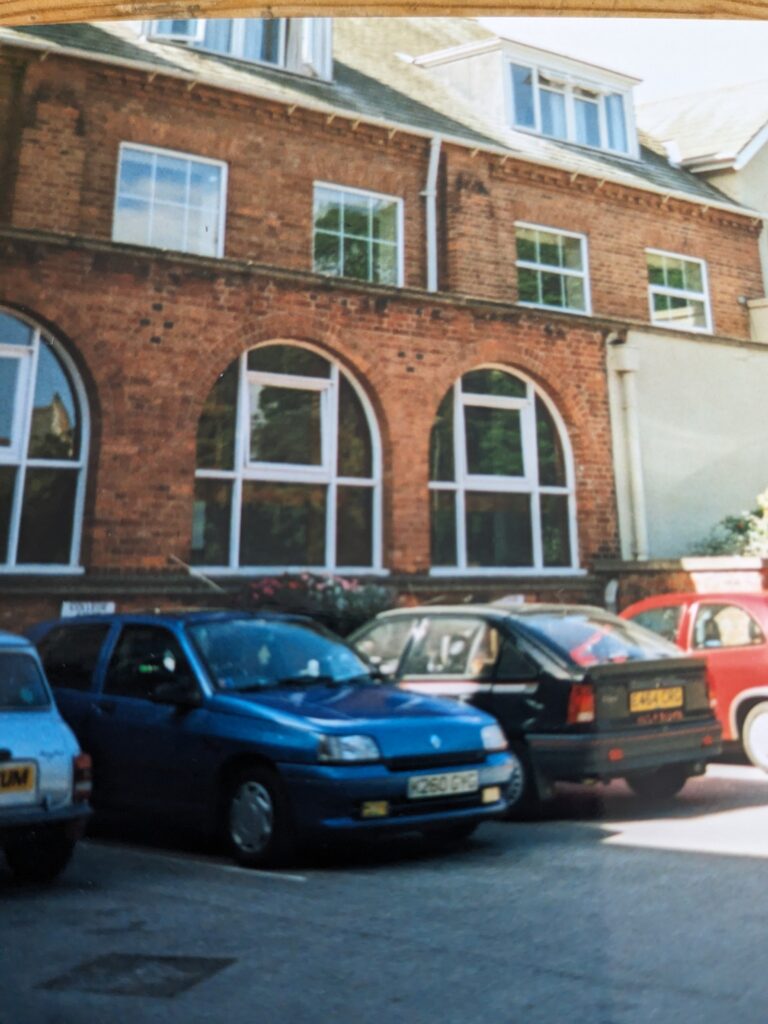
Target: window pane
574,293
327,255
441,459
443,645
211,522
47,515
551,456
498,530
617,127
131,221
282,524
170,179
655,268
587,122
555,536
217,35
384,266
357,215
202,232
442,505
550,249
355,456
55,427
493,382
494,441
694,281
327,210
135,174
285,425
216,429
70,654
528,285
167,228
13,331
552,113
525,239
9,377
354,526
552,290
384,220
7,480
289,359
572,254
522,86
356,258
675,274
262,40
144,656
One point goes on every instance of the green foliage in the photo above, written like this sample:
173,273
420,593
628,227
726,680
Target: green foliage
744,534
340,603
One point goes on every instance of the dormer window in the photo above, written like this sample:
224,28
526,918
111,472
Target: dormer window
296,44
561,107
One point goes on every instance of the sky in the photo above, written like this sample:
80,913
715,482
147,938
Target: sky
672,56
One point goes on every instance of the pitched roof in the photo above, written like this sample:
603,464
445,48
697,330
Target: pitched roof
712,126
374,79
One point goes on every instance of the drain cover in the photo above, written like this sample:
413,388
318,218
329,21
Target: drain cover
120,974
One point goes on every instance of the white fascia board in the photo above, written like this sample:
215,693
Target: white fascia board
453,53
46,46
577,69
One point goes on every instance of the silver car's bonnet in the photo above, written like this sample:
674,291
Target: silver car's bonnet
39,735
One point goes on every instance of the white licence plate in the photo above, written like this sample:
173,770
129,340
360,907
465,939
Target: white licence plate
447,784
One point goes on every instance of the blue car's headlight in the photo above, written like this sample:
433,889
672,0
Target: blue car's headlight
347,748
493,738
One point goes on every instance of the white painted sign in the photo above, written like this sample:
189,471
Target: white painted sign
70,608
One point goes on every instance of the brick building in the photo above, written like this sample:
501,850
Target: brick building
261,310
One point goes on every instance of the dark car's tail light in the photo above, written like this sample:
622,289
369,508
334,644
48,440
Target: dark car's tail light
581,704
81,778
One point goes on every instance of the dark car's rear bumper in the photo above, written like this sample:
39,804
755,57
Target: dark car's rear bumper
608,755
72,818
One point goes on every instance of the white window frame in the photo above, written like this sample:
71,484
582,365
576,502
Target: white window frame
567,83
528,483
17,454
400,244
684,293
564,271
325,474
193,34
137,147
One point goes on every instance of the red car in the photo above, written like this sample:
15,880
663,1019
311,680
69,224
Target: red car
729,632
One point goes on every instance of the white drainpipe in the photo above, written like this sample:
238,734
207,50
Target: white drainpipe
626,362
430,194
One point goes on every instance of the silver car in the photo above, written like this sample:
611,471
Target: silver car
45,780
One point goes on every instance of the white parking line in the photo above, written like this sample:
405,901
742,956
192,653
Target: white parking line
194,858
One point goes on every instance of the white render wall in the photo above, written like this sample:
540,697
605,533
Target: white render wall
702,417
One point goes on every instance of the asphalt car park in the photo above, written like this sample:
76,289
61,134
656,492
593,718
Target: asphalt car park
612,911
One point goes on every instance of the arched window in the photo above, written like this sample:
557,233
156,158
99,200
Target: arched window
43,450
288,467
501,479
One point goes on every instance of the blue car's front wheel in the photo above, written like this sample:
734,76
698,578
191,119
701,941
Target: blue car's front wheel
258,826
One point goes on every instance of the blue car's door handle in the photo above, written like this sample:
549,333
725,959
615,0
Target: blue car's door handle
105,707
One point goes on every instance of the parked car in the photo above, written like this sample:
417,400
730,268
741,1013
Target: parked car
268,728
728,632
45,779
581,694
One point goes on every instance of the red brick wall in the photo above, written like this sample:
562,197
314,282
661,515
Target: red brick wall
152,334
77,115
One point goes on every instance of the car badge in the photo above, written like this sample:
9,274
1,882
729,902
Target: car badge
436,742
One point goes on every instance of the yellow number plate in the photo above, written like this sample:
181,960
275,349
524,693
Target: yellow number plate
653,700
18,777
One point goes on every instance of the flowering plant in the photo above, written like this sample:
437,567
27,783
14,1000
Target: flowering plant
338,602
743,534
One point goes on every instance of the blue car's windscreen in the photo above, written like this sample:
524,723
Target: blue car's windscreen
588,637
21,683
251,654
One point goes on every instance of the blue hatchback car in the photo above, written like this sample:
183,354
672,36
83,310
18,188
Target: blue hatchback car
268,728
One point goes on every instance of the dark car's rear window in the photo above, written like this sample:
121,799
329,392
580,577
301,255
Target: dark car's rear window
21,682
594,638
